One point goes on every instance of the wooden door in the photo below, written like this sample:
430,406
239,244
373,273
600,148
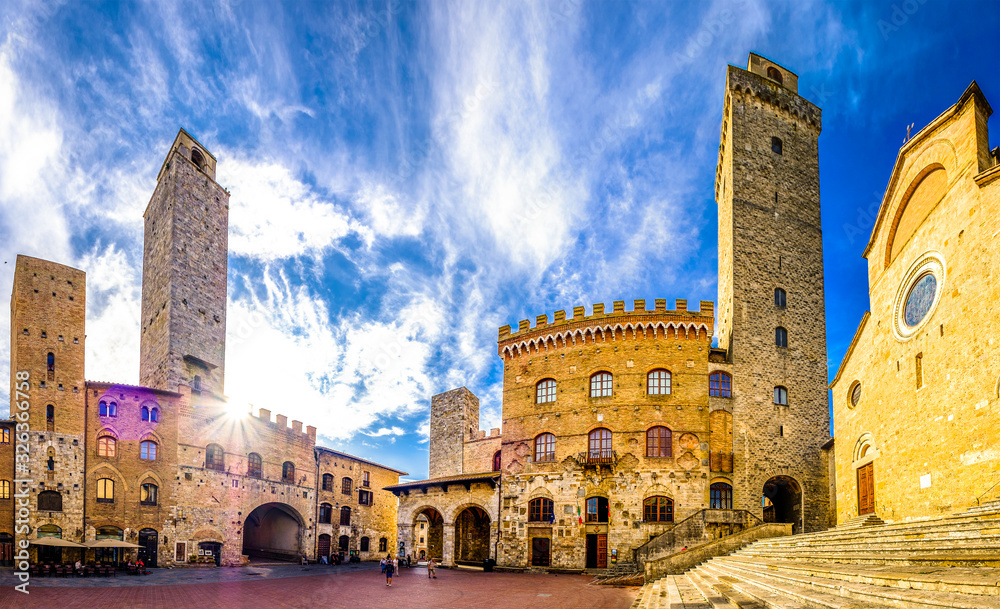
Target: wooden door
602,551
324,545
540,551
866,489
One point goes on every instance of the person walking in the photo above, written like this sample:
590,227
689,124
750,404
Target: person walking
382,564
389,570
430,568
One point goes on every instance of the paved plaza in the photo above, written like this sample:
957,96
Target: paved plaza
294,586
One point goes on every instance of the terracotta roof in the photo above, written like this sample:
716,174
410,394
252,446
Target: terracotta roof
349,456
457,478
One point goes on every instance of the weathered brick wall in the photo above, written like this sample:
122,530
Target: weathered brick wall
7,473
770,237
448,500
478,451
375,521
934,446
48,311
454,415
678,341
185,258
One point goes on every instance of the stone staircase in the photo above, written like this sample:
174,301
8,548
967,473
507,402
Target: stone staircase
948,562
621,574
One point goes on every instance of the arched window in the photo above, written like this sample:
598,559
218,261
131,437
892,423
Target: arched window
328,482
147,493
144,413
776,145
147,450
780,337
597,509
215,458
49,501
600,446
50,362
255,466
343,543
540,510
105,490
600,385
364,544
781,396
659,442
720,496
545,391
545,447
49,530
288,472
383,544
780,298
346,485
720,384
50,414
106,446
4,489
658,509
199,160
108,408
774,74
496,461
154,415
325,513
345,515
658,382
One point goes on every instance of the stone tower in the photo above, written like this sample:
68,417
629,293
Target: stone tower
184,266
47,324
772,320
454,415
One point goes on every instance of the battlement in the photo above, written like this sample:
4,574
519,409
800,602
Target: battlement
618,313
281,422
480,434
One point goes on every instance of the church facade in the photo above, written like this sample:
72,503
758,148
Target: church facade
625,426
916,398
170,465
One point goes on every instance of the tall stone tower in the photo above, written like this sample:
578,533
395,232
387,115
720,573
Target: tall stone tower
47,327
184,267
454,415
772,320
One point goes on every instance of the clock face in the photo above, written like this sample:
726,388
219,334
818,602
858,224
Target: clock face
919,300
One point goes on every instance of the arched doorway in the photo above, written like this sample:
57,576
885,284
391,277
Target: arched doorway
49,553
782,502
429,532
273,531
109,555
323,547
211,549
472,535
148,539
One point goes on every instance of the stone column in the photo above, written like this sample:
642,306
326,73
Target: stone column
448,551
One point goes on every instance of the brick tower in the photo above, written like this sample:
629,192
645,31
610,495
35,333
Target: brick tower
47,324
772,320
184,266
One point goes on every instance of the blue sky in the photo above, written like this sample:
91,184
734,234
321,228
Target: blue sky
406,178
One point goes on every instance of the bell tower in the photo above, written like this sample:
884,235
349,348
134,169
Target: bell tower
772,318
184,266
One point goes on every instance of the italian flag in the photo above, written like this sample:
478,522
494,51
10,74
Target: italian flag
578,514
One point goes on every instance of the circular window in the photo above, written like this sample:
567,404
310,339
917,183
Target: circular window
855,394
918,294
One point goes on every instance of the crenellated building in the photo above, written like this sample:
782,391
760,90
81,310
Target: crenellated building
172,465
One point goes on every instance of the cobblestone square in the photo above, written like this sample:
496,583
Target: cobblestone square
318,586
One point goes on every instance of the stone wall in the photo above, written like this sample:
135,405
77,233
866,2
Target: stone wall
692,557
443,503
454,417
770,237
931,439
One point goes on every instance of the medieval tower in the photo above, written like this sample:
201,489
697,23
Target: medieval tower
184,270
772,321
47,318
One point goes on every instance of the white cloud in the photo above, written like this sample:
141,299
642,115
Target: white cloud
114,294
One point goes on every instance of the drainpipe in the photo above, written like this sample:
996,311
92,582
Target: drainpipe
496,544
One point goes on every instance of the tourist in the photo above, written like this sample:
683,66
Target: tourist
323,561
78,568
382,563
430,568
389,569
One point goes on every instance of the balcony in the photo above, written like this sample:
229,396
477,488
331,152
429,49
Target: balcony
599,456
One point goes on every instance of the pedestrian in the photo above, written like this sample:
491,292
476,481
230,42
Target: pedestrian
430,568
382,564
389,570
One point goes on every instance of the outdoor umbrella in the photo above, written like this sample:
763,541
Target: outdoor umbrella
55,541
111,543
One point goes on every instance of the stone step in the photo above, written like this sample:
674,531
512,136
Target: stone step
714,598
980,581
744,594
940,547
959,537
922,530
832,593
989,506
957,559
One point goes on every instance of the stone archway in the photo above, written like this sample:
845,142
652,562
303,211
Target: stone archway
273,531
432,533
782,502
472,535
